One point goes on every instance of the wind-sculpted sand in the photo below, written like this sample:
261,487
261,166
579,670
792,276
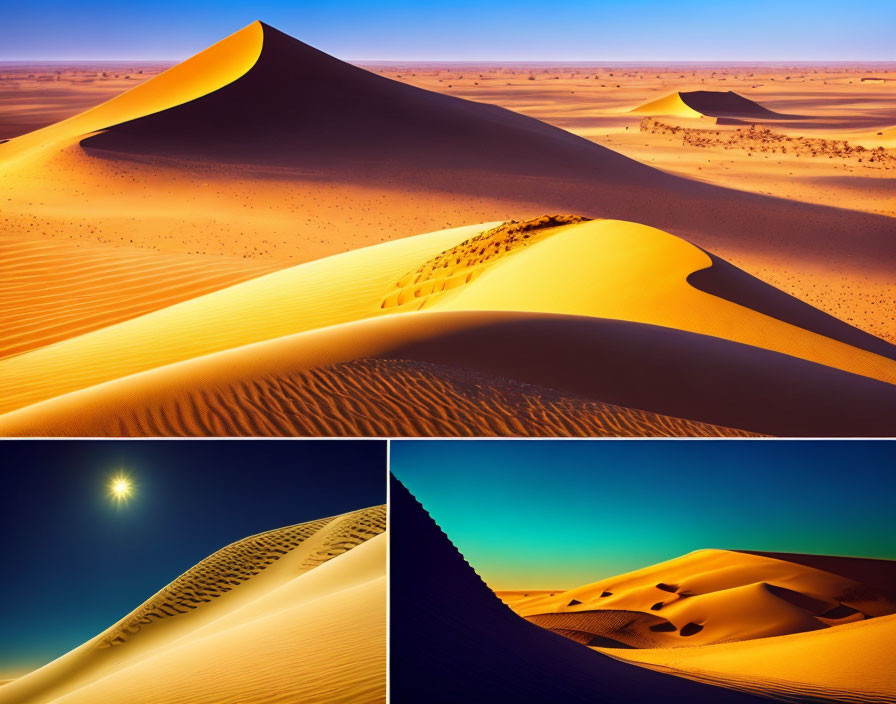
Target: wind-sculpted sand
370,397
52,290
296,613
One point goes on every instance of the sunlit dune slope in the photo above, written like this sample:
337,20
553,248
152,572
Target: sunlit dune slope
51,290
854,662
453,640
706,597
203,73
708,103
293,614
590,272
601,269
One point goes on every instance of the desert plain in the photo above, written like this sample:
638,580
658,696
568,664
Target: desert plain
266,240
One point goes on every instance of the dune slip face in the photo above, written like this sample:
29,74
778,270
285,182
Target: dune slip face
267,617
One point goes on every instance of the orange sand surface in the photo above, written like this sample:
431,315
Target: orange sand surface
272,236
773,626
294,614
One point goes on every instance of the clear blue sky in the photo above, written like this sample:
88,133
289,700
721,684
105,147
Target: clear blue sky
74,562
572,30
552,514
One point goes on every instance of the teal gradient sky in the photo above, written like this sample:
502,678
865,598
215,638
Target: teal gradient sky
552,514
571,30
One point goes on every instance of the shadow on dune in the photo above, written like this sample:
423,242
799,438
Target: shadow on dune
298,107
727,281
452,640
877,574
716,103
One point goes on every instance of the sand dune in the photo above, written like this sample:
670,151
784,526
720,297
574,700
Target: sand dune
452,640
589,271
296,613
706,597
849,663
707,103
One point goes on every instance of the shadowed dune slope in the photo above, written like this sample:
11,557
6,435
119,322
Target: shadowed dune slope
637,366
309,109
296,613
453,640
707,597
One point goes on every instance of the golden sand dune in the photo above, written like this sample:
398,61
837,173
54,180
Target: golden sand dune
204,73
706,103
852,663
312,316
293,614
51,290
706,597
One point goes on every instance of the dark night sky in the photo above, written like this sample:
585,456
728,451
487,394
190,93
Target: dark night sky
74,562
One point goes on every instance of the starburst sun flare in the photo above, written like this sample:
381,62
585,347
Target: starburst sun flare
121,487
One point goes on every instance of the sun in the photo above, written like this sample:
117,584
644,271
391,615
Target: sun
121,487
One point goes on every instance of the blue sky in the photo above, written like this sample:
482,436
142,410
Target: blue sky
552,514
570,30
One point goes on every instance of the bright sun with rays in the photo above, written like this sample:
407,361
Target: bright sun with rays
121,487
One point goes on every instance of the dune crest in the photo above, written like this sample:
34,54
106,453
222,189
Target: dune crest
319,586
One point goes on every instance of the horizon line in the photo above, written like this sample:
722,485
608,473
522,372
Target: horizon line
571,62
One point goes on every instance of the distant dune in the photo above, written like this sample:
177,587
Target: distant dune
452,640
299,611
709,103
